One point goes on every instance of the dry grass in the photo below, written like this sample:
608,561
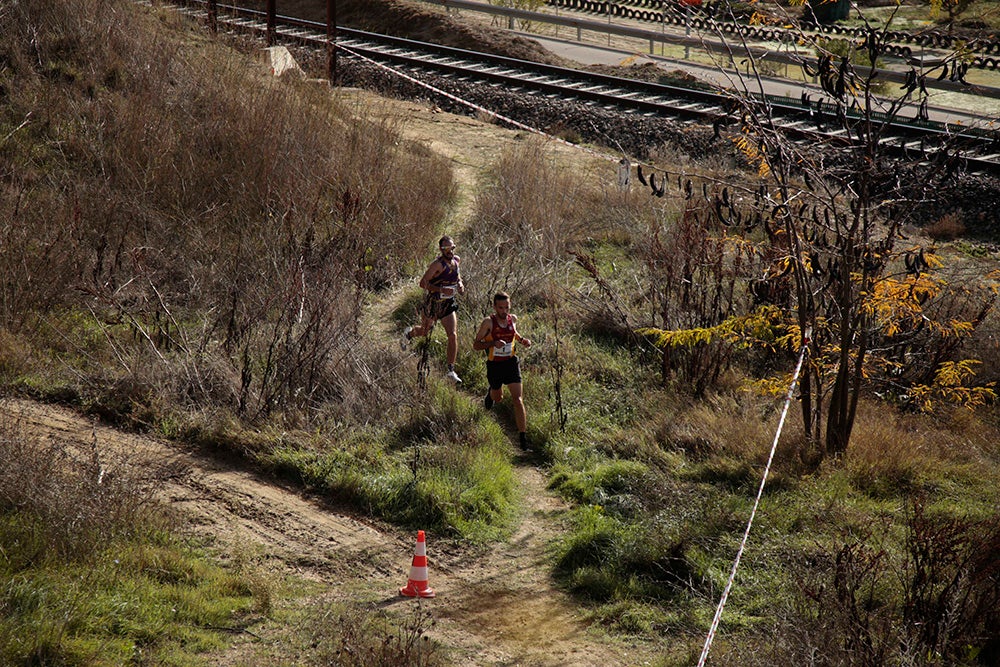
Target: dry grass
526,218
894,453
177,222
80,499
721,426
890,453
946,228
356,636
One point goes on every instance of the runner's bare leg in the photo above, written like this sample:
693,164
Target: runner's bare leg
450,324
519,417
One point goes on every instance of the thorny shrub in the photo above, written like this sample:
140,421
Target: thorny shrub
78,499
931,600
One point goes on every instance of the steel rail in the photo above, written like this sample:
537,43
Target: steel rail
798,118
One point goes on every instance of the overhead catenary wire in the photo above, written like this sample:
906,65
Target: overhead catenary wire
753,512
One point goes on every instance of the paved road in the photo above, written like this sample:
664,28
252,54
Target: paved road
956,111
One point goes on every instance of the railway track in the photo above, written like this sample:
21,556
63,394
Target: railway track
984,53
802,119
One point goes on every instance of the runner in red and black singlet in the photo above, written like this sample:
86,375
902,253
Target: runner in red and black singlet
501,331
443,282
498,335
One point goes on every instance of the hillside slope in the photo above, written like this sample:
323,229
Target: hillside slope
495,605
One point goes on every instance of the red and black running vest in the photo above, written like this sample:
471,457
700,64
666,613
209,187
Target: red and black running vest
501,331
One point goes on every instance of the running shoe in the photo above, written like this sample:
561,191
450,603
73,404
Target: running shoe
453,376
404,342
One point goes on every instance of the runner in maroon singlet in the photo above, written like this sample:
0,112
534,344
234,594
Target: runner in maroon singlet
499,337
443,282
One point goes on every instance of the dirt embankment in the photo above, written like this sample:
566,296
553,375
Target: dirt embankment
492,607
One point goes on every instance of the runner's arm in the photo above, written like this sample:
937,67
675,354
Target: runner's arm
518,337
483,339
429,274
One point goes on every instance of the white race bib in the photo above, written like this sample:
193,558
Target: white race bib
505,351
447,291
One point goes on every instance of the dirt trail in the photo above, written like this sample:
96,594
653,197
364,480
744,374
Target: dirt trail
500,606
493,607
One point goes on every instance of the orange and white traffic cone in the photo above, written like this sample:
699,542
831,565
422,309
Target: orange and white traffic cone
417,585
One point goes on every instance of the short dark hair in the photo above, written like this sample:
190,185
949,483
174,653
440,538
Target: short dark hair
445,242
501,296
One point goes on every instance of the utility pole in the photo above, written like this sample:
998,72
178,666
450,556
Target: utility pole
270,22
331,41
213,13
687,29
663,28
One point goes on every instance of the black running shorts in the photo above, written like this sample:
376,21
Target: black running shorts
436,308
506,371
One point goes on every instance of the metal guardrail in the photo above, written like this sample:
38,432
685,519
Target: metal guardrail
654,37
656,11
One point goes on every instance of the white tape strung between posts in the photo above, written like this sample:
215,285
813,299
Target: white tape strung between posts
473,105
756,504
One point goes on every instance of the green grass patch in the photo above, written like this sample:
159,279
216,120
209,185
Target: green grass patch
139,600
447,469
608,559
594,484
